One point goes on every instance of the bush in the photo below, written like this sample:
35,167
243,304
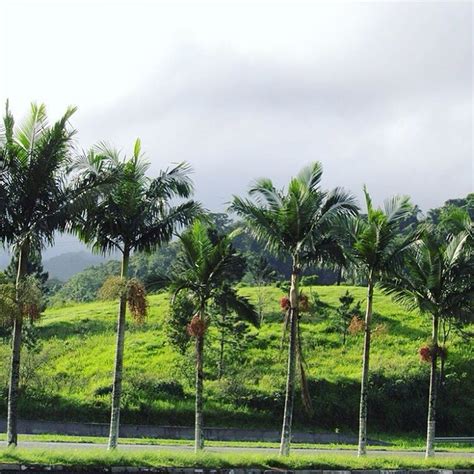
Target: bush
309,280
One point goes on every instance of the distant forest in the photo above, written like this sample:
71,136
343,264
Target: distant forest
258,266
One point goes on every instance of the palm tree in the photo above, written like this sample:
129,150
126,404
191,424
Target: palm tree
378,247
437,280
296,224
203,270
36,202
133,214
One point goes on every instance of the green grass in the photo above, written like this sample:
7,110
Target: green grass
96,457
397,444
67,376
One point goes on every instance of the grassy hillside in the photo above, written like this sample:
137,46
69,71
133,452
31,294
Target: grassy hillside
67,374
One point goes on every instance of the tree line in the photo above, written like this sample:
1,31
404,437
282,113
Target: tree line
111,203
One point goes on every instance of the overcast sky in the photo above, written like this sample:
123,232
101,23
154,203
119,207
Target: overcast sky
379,92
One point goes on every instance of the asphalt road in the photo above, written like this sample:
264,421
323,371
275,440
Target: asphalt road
224,449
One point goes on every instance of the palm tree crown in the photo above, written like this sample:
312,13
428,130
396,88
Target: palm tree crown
134,213
375,240
437,277
204,268
299,222
35,159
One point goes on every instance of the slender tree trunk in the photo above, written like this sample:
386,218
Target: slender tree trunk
221,349
198,424
430,432
445,334
339,275
12,409
362,448
118,365
290,379
260,303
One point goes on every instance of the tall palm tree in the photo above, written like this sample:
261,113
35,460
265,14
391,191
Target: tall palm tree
378,247
133,214
296,224
36,202
437,280
203,270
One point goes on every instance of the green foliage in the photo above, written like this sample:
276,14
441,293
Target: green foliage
205,268
178,317
26,302
375,242
309,280
344,314
34,267
437,278
111,289
135,212
297,223
8,305
84,285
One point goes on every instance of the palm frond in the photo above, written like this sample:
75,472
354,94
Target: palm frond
266,194
240,305
311,176
32,127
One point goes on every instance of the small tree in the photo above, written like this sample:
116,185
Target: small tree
201,272
437,280
261,274
345,313
133,214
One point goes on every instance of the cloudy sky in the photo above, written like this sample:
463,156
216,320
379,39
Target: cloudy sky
379,92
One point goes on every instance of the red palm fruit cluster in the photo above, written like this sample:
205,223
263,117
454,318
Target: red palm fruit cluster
425,353
137,301
197,327
285,303
304,303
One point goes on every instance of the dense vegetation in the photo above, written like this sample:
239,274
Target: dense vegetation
67,369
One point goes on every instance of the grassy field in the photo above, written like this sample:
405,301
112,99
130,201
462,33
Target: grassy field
96,457
67,374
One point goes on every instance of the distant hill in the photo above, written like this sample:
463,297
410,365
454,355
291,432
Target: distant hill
66,265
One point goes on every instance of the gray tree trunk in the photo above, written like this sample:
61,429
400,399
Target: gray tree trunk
290,378
14,382
430,432
362,448
198,426
118,365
